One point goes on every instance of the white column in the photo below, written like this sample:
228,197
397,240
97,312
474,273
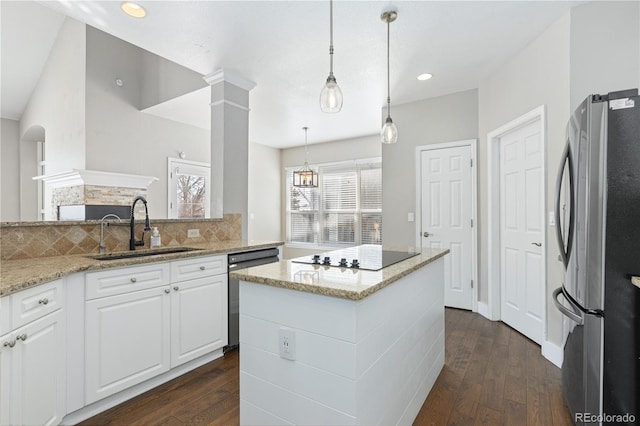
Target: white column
229,144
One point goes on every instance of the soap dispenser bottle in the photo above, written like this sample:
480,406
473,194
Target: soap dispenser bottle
155,237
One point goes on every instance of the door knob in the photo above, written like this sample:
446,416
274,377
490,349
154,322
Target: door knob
537,244
425,234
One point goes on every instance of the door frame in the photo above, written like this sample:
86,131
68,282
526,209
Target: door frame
473,145
493,209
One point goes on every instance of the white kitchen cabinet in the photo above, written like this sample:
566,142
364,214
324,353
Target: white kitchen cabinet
127,340
32,372
142,321
198,317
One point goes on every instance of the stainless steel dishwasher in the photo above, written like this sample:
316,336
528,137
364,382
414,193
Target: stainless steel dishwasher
237,261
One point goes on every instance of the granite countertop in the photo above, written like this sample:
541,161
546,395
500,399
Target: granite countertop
635,281
345,283
16,275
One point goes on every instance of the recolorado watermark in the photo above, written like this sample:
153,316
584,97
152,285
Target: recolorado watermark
604,418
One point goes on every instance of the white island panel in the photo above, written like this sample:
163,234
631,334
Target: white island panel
370,361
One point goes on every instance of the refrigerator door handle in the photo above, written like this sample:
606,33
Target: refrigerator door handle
565,252
574,316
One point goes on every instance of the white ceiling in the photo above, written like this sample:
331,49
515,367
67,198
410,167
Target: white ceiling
283,47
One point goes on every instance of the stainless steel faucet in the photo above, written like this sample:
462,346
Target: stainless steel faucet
147,227
102,245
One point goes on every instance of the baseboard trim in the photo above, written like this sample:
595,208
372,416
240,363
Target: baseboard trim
553,353
483,309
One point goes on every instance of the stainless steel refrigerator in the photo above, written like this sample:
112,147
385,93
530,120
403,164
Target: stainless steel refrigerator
598,231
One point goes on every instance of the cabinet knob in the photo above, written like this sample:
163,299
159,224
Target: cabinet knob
43,301
202,268
176,288
166,290
22,337
9,343
133,279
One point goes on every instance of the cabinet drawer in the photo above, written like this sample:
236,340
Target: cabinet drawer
125,280
36,302
198,267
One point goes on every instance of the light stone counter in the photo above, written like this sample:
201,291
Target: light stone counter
16,275
346,283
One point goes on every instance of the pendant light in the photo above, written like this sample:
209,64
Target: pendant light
389,132
331,95
305,177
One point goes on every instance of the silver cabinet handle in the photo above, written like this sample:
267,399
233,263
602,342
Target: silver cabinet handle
166,290
176,288
43,301
425,234
537,244
202,268
9,343
22,337
133,279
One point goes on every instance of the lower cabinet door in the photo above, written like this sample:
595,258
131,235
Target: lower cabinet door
127,340
198,318
34,370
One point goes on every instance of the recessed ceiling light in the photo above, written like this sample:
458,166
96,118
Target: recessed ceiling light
133,9
425,76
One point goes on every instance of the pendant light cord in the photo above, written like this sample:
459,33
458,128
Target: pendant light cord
306,151
331,37
388,68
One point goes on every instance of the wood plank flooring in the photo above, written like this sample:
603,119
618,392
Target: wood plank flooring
492,376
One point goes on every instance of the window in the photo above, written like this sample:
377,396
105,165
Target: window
345,209
188,189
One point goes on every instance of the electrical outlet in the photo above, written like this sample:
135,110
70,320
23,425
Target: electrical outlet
552,219
287,343
193,233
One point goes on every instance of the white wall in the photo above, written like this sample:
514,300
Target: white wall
443,119
264,193
10,171
328,152
122,139
605,48
537,75
58,101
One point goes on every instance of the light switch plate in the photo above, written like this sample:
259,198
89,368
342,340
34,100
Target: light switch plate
193,233
410,217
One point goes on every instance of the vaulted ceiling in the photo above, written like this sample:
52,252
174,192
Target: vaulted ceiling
283,46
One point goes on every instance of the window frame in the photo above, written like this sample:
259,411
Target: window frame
204,170
358,212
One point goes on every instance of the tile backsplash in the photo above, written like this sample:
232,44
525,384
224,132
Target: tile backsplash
18,241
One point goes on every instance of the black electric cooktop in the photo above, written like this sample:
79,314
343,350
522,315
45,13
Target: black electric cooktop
368,257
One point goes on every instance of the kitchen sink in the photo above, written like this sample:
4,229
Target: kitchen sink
142,253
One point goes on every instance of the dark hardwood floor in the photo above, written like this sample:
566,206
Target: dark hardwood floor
492,376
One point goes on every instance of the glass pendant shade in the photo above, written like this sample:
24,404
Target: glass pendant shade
331,96
389,132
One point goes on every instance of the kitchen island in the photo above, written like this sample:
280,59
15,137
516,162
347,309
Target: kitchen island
340,345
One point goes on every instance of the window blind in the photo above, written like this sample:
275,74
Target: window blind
346,208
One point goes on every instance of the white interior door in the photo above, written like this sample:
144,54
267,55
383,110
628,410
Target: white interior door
521,226
446,217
